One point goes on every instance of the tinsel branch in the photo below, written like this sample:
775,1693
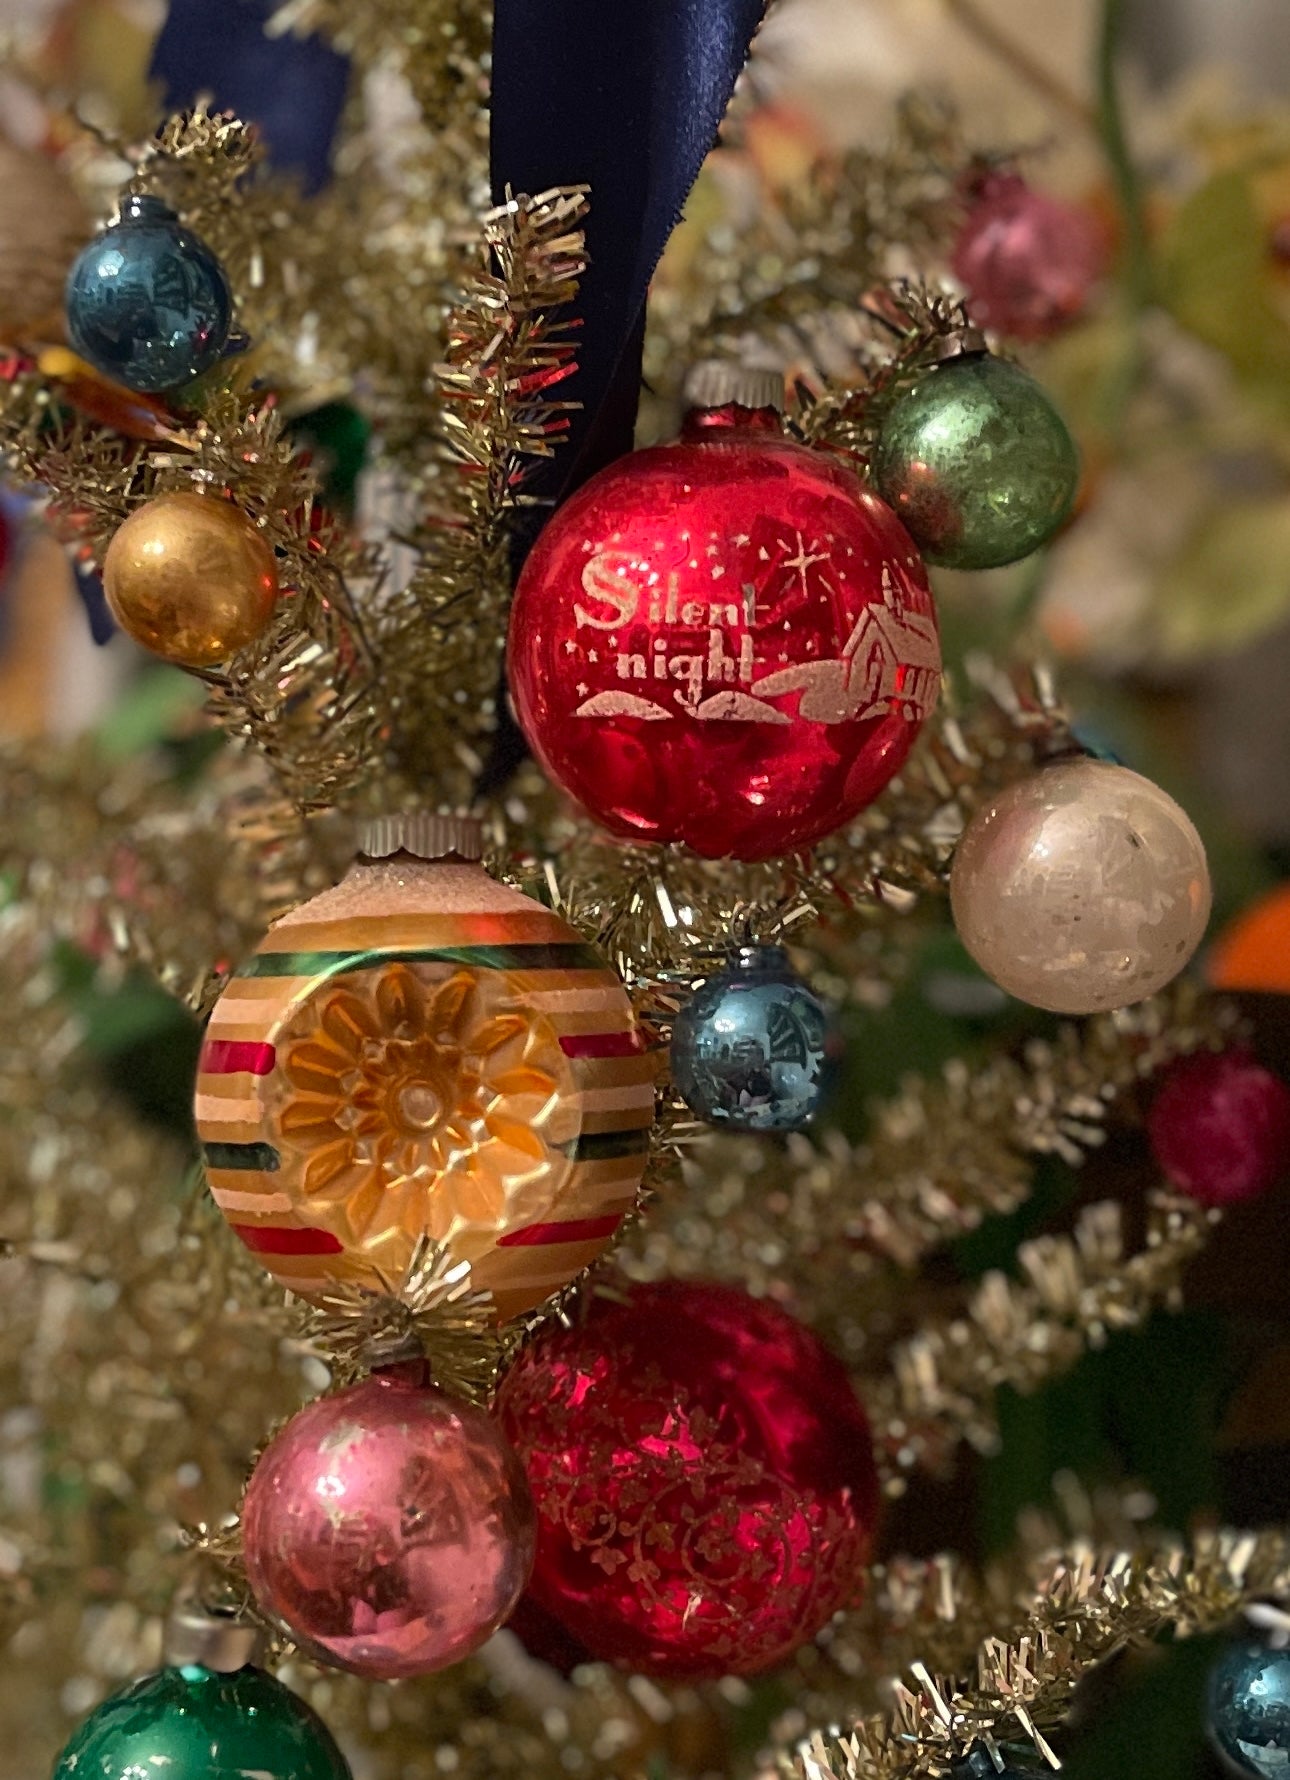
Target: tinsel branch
666,917
787,280
509,346
943,1155
137,869
1076,1291
433,1314
437,45
1090,1606
921,323
820,1224
303,692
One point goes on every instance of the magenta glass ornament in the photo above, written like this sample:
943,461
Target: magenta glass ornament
1027,261
389,1527
1220,1127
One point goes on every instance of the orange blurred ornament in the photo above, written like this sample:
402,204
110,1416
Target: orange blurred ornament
1253,951
111,404
189,577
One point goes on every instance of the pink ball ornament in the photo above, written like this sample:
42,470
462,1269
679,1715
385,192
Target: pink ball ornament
389,1527
1026,260
1220,1127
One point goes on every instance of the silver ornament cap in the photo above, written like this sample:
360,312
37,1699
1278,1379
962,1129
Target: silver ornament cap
423,834
217,1641
723,382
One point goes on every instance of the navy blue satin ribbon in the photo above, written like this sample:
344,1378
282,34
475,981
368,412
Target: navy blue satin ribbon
293,88
625,96
89,590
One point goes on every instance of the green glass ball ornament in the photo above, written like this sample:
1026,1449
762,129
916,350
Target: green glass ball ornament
977,462
193,1723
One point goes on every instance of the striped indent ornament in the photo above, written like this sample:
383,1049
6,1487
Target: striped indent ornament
424,1051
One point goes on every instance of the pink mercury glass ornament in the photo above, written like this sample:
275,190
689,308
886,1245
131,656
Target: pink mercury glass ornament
1026,260
389,1527
1220,1127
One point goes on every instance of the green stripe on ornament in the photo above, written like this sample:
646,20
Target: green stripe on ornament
600,1146
249,1158
318,964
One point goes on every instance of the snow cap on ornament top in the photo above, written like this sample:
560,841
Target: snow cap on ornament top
726,641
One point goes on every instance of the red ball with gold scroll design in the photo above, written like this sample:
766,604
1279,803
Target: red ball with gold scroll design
424,1052
704,1479
726,641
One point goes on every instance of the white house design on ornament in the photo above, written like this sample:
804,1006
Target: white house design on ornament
891,662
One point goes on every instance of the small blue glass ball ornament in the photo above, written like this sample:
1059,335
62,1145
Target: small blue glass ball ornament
748,1047
147,301
979,1764
1247,1708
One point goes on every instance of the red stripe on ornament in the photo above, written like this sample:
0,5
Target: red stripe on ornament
236,1056
576,1230
601,1044
271,1239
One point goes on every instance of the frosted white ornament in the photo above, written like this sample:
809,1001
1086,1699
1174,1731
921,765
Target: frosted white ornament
1081,888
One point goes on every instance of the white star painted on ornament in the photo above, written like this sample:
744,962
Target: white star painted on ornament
718,570
804,559
741,538
570,647
593,655
582,690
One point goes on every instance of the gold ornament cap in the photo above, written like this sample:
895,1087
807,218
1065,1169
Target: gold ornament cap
217,1641
422,834
723,382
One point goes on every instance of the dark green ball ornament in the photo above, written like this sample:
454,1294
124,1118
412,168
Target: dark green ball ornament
977,462
193,1723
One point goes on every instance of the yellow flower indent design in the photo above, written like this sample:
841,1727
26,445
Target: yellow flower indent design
421,1099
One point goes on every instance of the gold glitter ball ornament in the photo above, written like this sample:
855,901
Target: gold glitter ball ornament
423,1052
190,578
1081,888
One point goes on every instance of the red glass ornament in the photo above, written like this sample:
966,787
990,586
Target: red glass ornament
704,1480
1026,260
726,641
389,1527
1220,1127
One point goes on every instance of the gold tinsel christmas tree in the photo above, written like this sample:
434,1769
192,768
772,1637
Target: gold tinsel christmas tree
377,1067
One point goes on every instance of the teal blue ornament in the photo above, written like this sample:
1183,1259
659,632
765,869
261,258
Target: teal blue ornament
748,1047
1247,1708
192,1723
979,1764
977,463
147,301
